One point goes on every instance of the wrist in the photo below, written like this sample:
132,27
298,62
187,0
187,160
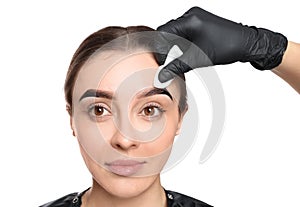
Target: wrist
268,50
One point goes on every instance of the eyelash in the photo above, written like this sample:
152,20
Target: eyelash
92,112
154,105
102,117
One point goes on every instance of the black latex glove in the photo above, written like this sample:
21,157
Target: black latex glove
223,41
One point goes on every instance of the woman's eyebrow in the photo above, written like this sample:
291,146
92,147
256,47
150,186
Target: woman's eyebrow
97,94
109,95
154,91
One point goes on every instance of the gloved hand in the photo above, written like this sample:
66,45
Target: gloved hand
223,41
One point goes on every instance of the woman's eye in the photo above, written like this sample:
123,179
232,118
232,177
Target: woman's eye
152,111
99,111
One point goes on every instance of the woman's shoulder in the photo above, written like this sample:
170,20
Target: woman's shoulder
70,200
176,199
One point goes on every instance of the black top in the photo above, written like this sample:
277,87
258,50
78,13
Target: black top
174,199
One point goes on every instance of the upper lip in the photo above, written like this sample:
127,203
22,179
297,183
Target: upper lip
124,163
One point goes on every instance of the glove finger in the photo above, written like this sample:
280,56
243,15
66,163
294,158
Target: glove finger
192,58
161,46
182,24
164,42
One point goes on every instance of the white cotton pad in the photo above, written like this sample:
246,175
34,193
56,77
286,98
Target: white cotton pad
174,53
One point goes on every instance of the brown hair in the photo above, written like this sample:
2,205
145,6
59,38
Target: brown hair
99,40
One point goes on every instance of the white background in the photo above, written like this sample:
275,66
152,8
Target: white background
256,162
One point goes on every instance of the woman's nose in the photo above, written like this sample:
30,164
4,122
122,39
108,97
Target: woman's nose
121,142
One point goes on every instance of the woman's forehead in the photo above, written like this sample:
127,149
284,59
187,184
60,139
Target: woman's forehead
112,69
117,72
135,69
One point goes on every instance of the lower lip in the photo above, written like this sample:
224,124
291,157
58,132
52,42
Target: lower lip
125,170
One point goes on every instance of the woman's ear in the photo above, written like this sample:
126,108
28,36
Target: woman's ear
71,123
72,126
69,110
181,119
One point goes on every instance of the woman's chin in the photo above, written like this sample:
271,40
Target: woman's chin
126,187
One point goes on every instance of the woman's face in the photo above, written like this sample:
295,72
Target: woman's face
125,126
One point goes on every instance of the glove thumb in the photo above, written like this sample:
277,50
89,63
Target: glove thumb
191,59
173,69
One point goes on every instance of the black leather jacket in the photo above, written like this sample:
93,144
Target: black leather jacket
174,199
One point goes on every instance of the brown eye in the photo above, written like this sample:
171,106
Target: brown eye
152,111
149,111
98,110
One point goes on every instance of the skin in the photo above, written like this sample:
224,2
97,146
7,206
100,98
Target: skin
289,69
110,189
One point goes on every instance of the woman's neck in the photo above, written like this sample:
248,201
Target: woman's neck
154,195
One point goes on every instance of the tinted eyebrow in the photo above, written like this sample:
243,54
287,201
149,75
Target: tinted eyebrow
97,94
108,95
155,91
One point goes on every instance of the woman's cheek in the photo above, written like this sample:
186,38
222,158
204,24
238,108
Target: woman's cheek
92,136
107,129
165,140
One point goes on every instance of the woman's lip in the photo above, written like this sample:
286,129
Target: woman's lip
124,167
